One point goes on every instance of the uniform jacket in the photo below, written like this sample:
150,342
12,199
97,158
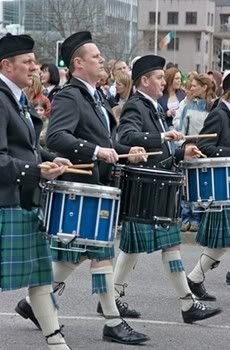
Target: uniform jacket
139,125
76,128
19,153
218,121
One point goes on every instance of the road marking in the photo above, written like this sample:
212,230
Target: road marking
132,320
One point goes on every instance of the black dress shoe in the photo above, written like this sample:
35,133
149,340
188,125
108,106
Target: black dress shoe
199,312
228,277
24,309
123,309
199,290
124,334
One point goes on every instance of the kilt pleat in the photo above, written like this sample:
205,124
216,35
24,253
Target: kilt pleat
25,256
93,253
140,238
214,230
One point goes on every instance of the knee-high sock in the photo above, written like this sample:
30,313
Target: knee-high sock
107,300
61,271
44,309
124,264
175,271
208,257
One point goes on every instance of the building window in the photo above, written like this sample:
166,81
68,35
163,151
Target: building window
211,19
198,44
172,17
198,68
191,17
224,18
152,17
206,46
173,45
208,23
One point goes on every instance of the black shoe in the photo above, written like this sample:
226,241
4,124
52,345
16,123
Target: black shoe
228,278
199,290
24,309
199,312
124,334
123,309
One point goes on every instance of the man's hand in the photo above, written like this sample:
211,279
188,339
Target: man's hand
108,155
139,155
173,135
62,161
52,171
191,151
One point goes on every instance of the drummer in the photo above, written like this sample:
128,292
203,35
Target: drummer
141,118
213,233
82,126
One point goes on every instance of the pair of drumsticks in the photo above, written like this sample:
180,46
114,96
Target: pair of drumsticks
86,169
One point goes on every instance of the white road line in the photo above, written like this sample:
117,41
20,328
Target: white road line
94,318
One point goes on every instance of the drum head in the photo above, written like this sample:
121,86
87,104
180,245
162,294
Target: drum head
206,163
141,171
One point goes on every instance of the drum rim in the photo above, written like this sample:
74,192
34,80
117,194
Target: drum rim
81,187
210,162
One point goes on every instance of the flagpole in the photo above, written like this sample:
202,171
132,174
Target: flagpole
156,28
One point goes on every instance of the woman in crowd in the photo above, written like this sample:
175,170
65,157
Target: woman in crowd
50,80
123,86
172,95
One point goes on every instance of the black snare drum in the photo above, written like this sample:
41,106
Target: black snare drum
150,196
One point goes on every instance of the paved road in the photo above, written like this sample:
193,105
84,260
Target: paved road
148,291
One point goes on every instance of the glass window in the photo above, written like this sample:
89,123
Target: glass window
172,17
206,46
198,68
152,17
191,17
198,44
208,22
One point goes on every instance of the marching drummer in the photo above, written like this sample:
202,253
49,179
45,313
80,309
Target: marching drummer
25,256
141,119
82,127
213,233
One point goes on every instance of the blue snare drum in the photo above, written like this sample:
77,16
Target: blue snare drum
208,181
82,213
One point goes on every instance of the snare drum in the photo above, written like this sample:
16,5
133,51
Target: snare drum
150,196
82,213
208,181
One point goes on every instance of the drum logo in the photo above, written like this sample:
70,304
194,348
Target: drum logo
104,214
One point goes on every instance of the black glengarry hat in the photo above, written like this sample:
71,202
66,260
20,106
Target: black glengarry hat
147,64
226,83
13,45
72,43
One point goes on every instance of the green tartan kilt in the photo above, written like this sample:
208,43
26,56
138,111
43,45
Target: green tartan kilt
140,238
25,256
92,253
214,230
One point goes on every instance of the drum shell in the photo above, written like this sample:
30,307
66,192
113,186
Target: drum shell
147,194
87,212
207,180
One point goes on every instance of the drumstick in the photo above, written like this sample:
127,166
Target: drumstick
82,166
68,170
139,154
196,136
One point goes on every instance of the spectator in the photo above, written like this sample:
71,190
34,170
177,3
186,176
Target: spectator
123,84
50,79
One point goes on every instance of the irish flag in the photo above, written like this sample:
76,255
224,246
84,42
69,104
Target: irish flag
166,40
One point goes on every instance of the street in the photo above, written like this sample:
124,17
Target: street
149,292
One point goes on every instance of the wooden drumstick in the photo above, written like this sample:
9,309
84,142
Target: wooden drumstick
139,154
196,136
82,166
68,170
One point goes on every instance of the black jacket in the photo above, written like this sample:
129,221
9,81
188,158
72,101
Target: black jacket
218,121
139,125
76,128
19,153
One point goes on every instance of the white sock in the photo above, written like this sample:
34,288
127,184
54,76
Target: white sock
178,279
44,308
124,264
61,271
208,257
107,300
